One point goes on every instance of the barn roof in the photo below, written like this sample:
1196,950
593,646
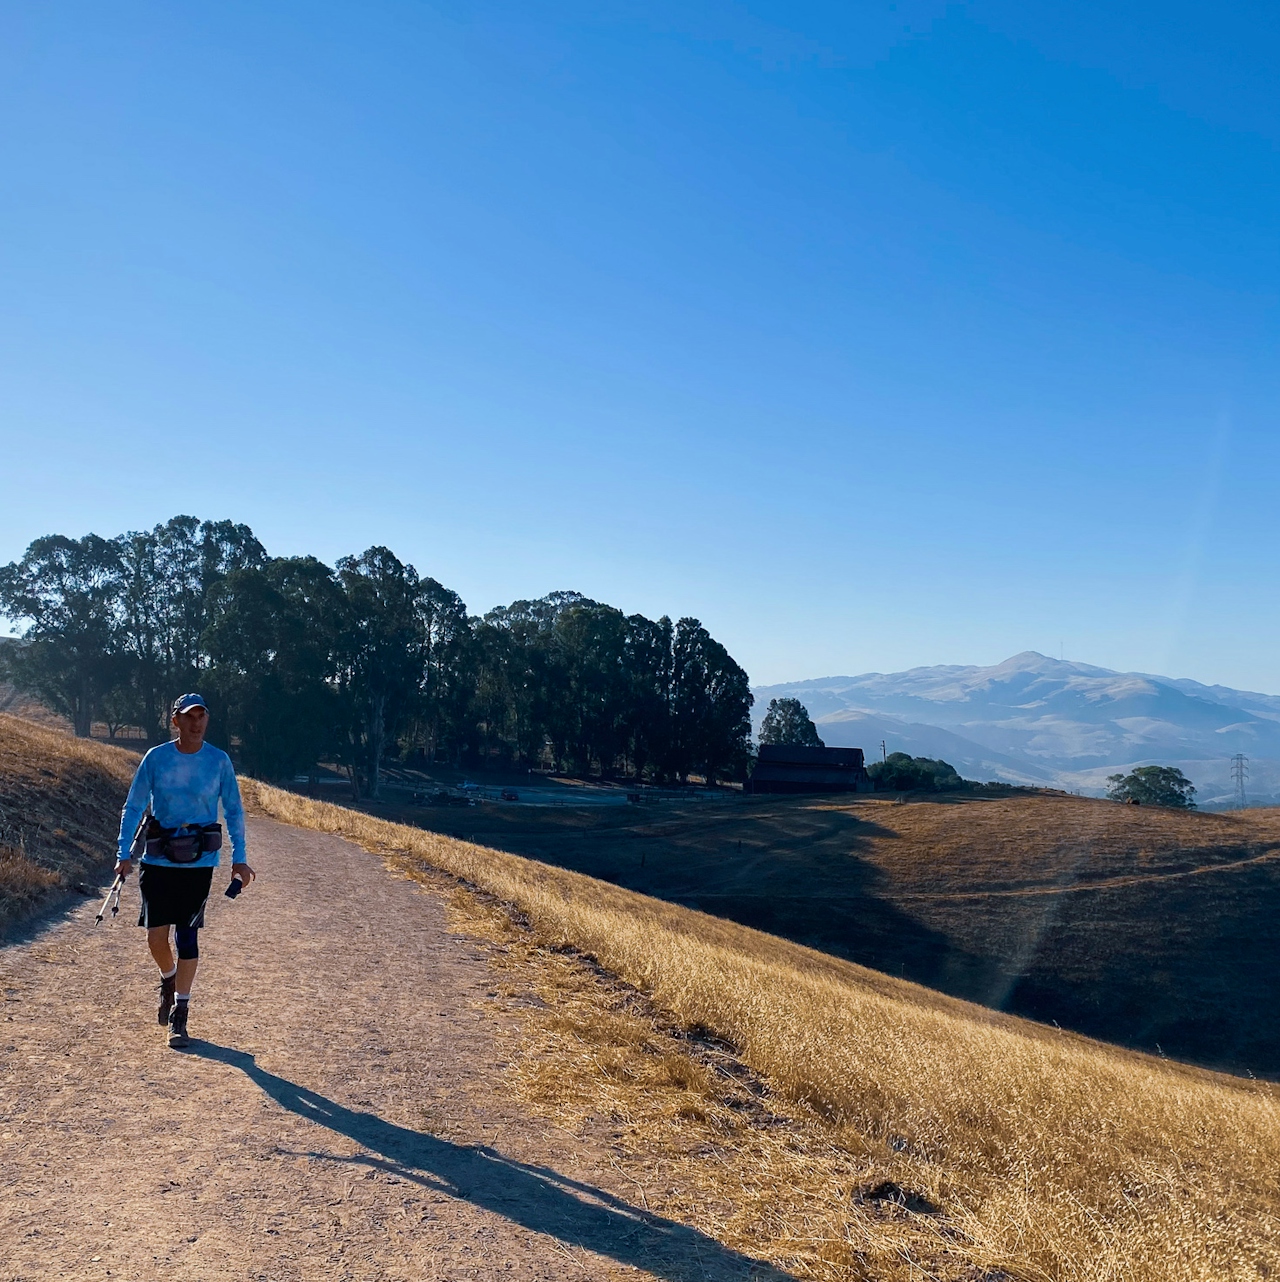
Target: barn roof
789,768
791,754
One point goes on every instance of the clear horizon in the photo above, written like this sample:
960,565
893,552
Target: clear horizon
927,335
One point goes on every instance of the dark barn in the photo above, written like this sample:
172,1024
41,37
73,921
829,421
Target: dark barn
781,768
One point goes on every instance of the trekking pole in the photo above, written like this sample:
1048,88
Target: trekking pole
112,899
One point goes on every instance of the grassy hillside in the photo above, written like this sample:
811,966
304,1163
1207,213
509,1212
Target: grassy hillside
17,704
1049,1155
60,800
1030,1153
1155,929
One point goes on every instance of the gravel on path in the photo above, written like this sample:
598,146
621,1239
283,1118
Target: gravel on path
341,1112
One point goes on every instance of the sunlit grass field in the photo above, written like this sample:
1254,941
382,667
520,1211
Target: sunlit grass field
1028,1153
1149,928
1049,1156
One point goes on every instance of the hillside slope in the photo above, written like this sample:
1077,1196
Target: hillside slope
1063,1158
1015,1151
60,800
1155,929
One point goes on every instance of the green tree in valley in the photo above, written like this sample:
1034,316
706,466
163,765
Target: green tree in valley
787,721
1153,786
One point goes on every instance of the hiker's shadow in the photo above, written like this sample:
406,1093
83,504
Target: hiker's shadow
536,1197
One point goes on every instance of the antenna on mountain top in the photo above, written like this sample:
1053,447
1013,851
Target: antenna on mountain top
1239,772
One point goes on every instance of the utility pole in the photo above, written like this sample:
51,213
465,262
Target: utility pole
1239,772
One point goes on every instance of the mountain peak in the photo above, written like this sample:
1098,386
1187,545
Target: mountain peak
1027,660
1033,717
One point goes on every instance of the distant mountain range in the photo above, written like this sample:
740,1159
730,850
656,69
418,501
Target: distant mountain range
1036,720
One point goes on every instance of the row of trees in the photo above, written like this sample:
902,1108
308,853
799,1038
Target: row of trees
363,662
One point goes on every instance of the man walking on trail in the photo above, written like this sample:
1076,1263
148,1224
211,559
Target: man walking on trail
170,817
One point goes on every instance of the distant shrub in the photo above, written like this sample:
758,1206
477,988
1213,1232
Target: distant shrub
901,772
1153,786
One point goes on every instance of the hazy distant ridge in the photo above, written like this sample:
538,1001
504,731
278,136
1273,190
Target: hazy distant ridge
1033,719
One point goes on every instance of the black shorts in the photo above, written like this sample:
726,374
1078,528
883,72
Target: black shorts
173,896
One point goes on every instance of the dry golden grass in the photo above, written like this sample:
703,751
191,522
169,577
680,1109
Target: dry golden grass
60,800
1144,927
16,703
1050,1156
696,1135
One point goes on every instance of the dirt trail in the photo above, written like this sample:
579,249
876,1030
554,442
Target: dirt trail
341,1113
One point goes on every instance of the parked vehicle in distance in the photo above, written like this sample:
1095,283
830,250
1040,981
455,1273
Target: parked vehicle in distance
509,794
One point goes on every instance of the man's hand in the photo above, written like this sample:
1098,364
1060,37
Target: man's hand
244,872
124,867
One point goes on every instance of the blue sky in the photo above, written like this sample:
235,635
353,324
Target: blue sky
871,335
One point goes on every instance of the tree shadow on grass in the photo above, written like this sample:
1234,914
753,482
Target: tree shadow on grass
535,1197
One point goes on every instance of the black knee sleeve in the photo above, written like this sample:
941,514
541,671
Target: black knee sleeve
188,940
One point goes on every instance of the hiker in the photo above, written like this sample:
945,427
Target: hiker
170,817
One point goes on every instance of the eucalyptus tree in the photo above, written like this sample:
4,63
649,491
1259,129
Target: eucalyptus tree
647,663
787,721
521,676
444,667
272,642
169,574
379,652
711,706
68,592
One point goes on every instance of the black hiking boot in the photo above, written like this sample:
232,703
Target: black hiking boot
178,1026
166,998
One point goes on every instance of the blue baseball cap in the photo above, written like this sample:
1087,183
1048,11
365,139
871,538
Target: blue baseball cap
184,703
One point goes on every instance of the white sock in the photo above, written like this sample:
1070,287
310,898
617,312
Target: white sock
169,974
182,997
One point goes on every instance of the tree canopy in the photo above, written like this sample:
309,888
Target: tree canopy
900,772
1153,786
363,662
787,721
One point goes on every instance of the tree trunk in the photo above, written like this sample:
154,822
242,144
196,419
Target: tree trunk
376,730
83,716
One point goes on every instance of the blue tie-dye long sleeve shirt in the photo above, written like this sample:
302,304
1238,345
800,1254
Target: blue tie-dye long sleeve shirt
185,788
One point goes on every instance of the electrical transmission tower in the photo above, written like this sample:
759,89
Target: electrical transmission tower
1239,773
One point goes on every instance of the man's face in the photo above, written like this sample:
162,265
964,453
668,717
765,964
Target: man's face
192,723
